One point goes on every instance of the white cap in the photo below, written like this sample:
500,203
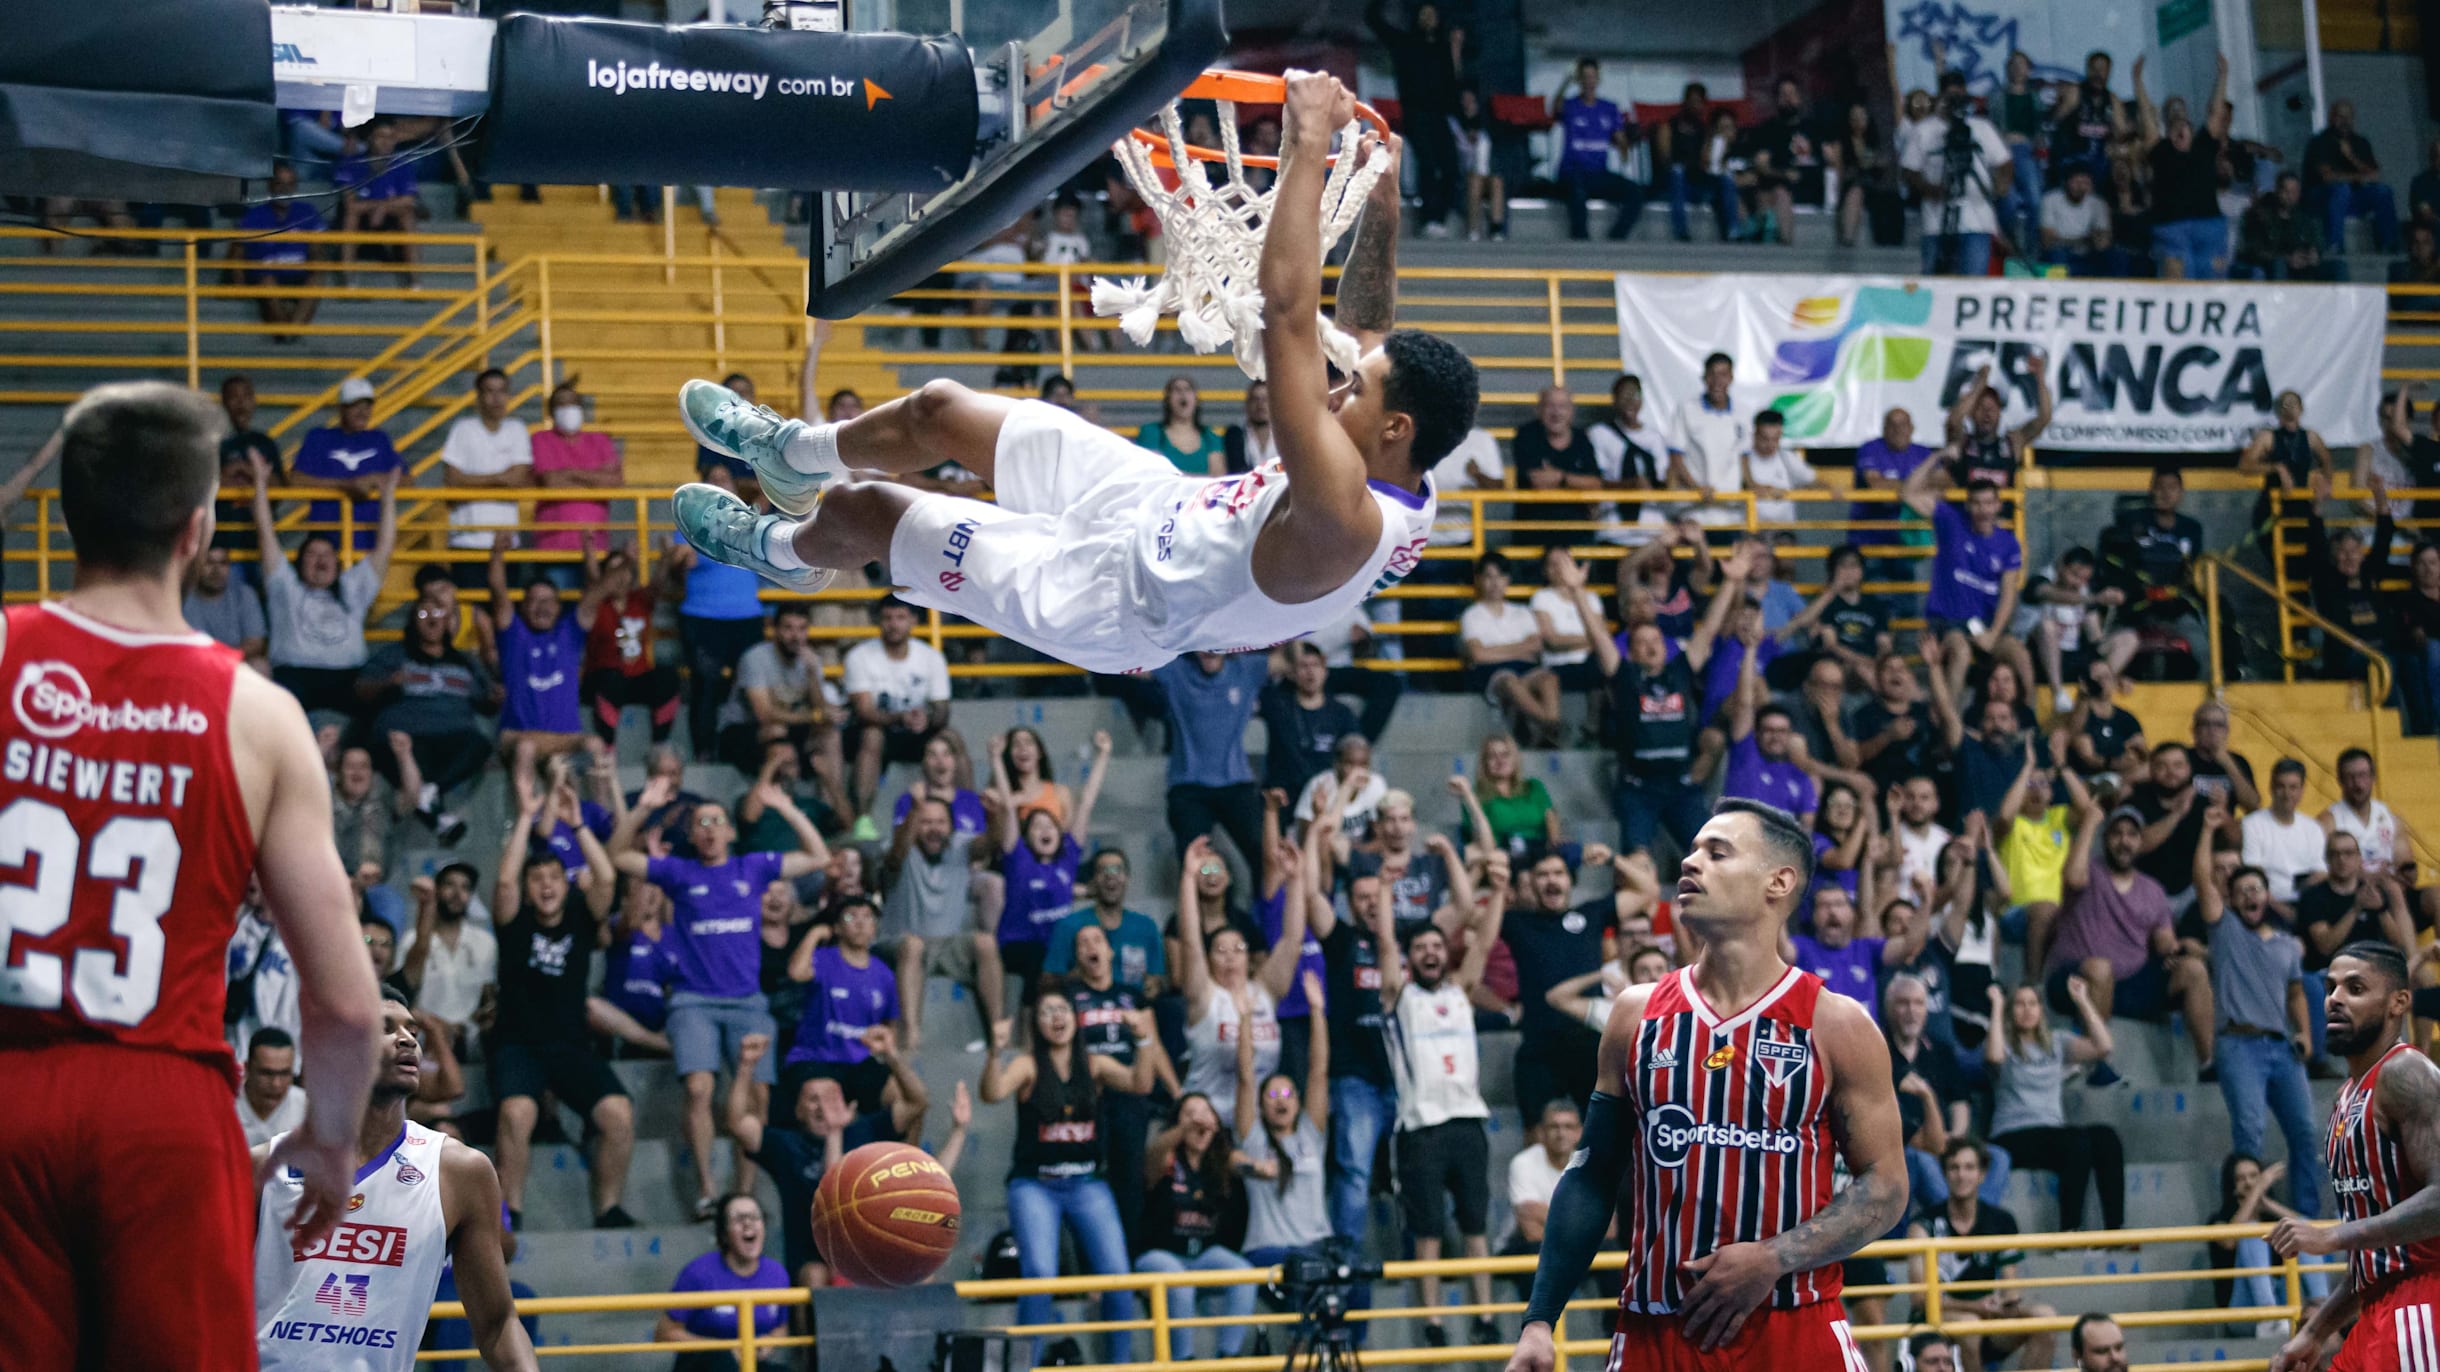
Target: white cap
353,389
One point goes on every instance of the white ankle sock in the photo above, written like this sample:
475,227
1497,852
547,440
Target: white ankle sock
814,449
779,545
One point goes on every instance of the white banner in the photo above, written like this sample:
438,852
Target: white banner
2135,366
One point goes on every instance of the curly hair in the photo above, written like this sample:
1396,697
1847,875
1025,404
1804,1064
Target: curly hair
1434,384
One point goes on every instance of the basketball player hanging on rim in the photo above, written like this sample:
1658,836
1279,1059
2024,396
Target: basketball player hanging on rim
356,1300
1099,552
2384,1158
1717,1126
145,777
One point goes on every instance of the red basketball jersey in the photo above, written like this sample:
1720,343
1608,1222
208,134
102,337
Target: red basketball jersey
1731,1142
124,844
2366,1172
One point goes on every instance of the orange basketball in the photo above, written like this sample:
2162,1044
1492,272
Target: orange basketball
886,1215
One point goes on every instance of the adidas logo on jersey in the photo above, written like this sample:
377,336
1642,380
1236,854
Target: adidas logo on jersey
52,701
1664,1058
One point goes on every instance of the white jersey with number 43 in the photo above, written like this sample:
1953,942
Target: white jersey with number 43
355,1301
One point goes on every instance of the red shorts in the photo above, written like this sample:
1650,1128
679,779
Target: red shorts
2396,1331
126,1213
1813,1338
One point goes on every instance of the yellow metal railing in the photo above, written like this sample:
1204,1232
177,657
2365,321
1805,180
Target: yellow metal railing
748,1346
1926,1292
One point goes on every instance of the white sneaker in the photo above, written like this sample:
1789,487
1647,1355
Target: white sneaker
726,529
723,420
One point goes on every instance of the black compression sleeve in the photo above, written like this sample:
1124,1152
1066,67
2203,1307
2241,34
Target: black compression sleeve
1580,1210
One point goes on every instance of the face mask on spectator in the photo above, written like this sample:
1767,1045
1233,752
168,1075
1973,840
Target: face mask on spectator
568,418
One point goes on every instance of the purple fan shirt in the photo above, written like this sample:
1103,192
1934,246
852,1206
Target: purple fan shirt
715,921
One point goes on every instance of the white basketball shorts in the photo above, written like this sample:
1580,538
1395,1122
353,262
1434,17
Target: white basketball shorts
1050,565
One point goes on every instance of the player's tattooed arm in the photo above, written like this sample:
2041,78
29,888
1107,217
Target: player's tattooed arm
2408,1102
1864,1120
1368,281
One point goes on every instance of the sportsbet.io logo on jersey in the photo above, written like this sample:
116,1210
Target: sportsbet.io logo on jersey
52,701
1671,1132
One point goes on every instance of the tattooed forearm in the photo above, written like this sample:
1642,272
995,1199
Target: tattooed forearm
1854,1217
1368,281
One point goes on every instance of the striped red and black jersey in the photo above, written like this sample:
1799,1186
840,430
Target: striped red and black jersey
2369,1176
1732,1144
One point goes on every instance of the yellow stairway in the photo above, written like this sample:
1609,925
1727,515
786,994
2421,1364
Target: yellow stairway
665,324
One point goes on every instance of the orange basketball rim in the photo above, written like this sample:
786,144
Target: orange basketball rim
1240,88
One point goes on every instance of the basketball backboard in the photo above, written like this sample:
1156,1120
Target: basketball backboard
1060,81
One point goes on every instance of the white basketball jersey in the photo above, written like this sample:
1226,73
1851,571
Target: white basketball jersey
1194,569
356,1301
1439,1074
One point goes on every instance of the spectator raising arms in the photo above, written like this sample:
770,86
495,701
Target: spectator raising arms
2029,1111
1193,1217
1977,569
1038,862
1226,997
317,612
1281,1144
2189,234
1056,1179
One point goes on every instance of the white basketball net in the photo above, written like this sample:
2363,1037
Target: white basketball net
1215,245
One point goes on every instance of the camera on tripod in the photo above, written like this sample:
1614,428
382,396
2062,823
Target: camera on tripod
1320,1287
1337,1264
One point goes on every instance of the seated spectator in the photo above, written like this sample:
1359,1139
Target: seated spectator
1916,833
735,1263
2245,1198
238,447
2076,229
486,449
2173,808
2069,630
428,693
231,617
715,997
2284,843
2346,575
1180,434
364,809
2279,241
1533,1175
1251,444
2220,771
1502,642
1679,146
1849,959
1846,628
378,192
351,457
2358,813
1194,1219
2104,738
2150,553
1567,645
2116,949
1590,129
475,634
638,966
1894,732
2028,1067
1977,568
1056,1181
1631,451
269,1102
850,992
2346,182
1351,771
277,251
1965,1214
1209,699
778,703
569,456
541,1034
1883,464
1590,996
2421,265
1772,470
898,694
1555,454
2415,639
1707,446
